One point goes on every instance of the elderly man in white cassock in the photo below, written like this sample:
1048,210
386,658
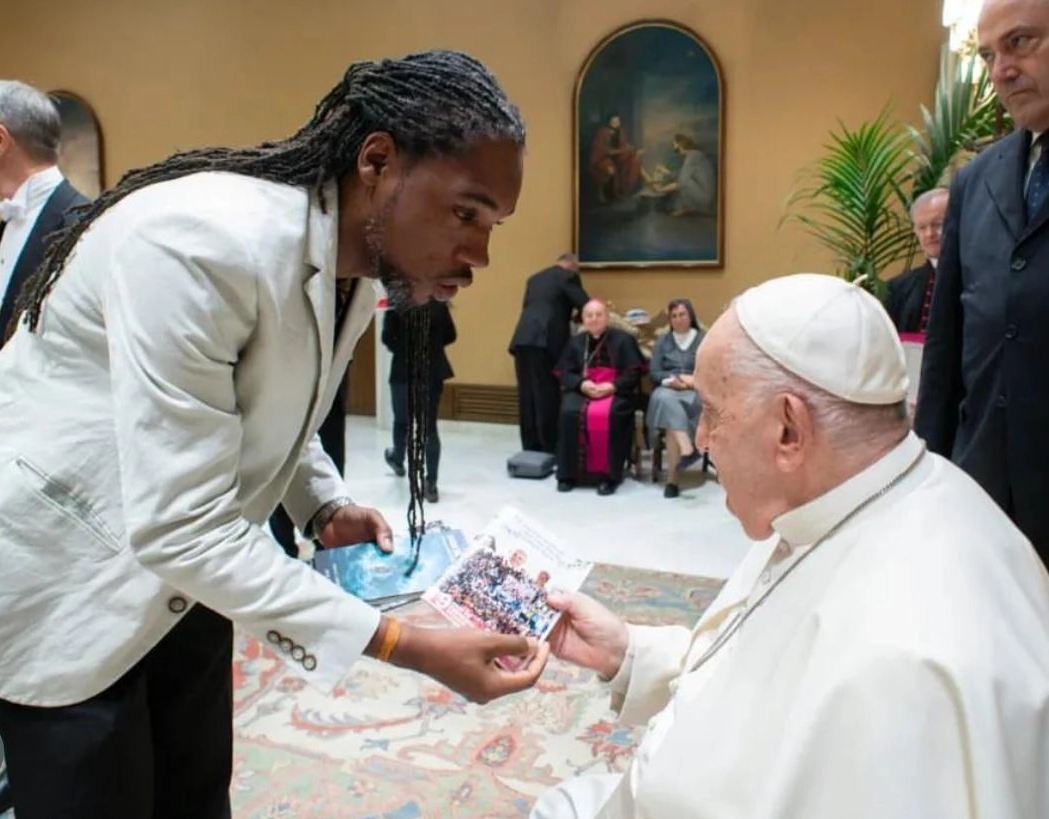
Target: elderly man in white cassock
883,652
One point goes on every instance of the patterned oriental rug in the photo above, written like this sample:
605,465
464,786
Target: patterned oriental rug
392,744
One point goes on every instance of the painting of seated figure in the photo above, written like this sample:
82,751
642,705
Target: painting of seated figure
649,126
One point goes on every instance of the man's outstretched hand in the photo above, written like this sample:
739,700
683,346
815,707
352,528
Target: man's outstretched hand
464,659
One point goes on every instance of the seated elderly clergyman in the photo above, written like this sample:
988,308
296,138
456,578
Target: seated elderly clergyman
600,371
884,652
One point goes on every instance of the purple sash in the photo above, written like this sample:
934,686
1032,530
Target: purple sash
599,422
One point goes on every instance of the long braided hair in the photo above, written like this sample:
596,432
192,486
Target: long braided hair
431,103
420,344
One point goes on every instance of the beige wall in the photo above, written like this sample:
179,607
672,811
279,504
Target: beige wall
166,75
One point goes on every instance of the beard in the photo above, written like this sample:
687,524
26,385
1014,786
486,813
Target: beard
396,282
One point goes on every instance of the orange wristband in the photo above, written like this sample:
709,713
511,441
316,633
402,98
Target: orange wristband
389,640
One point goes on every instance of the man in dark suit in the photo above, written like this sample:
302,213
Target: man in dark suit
35,199
984,390
910,294
541,335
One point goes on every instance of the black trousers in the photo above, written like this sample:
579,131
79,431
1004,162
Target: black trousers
157,744
399,400
538,399
332,433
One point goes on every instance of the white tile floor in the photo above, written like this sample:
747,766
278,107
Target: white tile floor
637,526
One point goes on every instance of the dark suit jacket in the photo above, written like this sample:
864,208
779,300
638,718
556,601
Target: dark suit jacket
550,297
442,333
54,216
984,390
905,298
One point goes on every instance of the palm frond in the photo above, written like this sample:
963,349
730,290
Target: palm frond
965,113
852,201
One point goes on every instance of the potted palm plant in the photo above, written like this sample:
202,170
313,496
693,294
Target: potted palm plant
854,199
966,116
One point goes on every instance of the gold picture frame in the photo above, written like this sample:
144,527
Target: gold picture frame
648,147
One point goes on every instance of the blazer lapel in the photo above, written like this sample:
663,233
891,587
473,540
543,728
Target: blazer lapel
320,285
1005,180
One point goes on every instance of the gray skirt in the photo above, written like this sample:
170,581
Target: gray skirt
672,409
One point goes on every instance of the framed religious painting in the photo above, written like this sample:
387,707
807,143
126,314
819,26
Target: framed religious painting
80,159
649,151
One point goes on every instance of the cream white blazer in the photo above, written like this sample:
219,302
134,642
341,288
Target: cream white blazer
167,404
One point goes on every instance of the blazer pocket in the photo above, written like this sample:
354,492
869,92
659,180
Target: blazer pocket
65,501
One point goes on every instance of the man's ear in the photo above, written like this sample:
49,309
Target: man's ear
796,428
6,140
377,155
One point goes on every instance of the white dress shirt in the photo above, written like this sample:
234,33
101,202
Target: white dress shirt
19,214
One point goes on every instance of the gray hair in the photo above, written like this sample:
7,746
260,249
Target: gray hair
928,196
845,425
32,119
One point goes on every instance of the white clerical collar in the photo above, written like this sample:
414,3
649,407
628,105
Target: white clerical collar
808,523
32,193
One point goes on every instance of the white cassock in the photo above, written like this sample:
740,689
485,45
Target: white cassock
899,667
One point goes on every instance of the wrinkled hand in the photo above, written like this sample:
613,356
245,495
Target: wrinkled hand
357,524
587,633
464,660
588,388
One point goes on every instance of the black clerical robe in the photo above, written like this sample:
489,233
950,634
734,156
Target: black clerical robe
595,434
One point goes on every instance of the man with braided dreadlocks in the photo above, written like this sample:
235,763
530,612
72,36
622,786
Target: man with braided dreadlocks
177,351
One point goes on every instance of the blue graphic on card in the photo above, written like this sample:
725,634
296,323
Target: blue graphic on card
370,574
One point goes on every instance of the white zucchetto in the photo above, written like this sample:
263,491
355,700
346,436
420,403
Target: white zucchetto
828,332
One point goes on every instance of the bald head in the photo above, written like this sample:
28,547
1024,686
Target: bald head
928,213
1013,40
595,317
569,261
931,196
